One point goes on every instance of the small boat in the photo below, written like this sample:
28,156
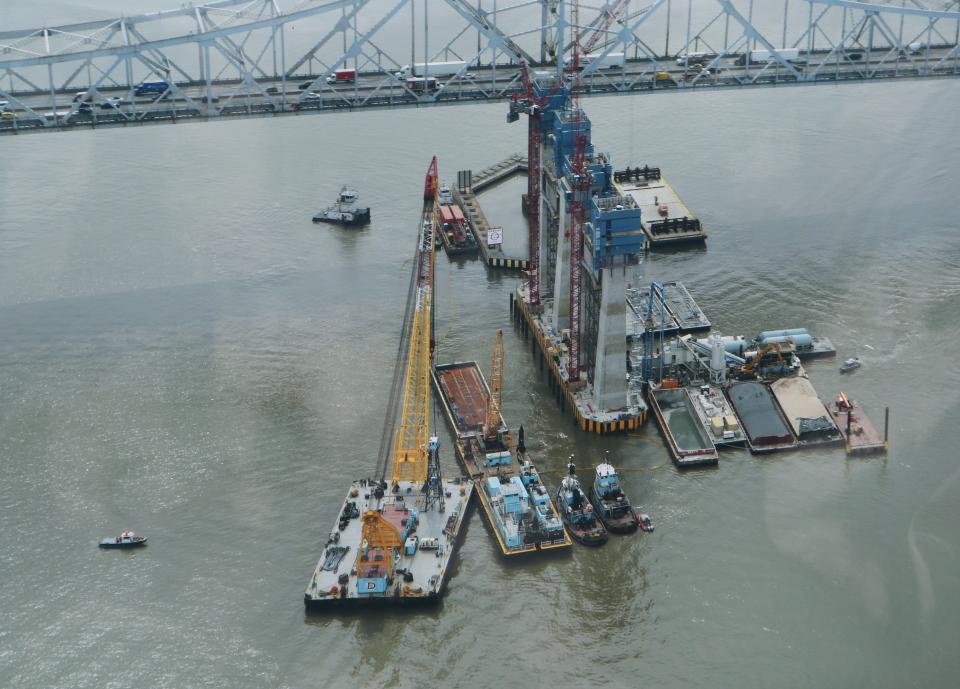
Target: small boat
577,512
127,539
345,211
645,523
850,364
610,504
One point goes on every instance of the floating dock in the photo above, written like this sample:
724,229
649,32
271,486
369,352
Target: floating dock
767,429
551,353
665,218
689,442
860,434
717,416
420,571
516,505
806,414
465,191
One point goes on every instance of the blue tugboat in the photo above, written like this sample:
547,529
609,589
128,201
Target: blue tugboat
577,512
127,539
610,504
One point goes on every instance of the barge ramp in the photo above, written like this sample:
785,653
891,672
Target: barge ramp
690,444
860,434
516,506
767,429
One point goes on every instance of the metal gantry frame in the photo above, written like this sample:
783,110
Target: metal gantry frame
244,57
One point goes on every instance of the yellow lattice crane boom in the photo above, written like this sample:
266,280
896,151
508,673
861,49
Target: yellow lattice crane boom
492,425
410,444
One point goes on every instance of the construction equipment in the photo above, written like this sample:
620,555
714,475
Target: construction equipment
492,425
529,104
374,557
580,193
607,17
411,452
749,369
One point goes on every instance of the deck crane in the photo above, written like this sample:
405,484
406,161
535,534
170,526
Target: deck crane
579,196
492,425
528,103
608,16
411,443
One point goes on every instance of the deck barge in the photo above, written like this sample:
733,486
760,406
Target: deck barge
806,414
767,429
690,444
665,218
419,575
717,416
859,433
506,475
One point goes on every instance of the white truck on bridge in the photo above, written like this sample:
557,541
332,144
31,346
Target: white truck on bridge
433,69
762,57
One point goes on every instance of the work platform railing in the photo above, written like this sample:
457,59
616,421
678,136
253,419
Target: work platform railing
267,57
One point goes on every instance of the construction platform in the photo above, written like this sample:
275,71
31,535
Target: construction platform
689,442
465,191
859,433
681,314
807,416
767,429
530,524
551,352
664,217
420,571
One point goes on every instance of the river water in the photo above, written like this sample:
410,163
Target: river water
182,352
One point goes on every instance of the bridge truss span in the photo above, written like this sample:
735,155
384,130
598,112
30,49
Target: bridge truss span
268,57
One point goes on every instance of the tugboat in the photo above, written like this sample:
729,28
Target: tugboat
577,512
127,539
850,364
345,211
610,504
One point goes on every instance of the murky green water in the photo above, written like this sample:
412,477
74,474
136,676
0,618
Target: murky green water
184,353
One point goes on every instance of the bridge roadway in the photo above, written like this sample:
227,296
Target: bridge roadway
289,96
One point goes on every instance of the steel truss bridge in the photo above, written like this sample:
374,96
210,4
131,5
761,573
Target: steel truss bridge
268,57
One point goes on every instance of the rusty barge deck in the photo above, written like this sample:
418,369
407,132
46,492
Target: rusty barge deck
500,473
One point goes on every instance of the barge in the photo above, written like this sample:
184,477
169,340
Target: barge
412,562
767,429
665,218
681,313
515,504
806,346
717,416
860,434
455,235
394,540
808,418
688,440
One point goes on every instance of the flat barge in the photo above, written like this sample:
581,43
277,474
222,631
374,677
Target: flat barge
665,218
767,429
860,434
690,444
717,416
419,571
681,314
516,505
808,418
806,345
455,235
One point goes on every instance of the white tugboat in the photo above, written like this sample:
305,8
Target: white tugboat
345,211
